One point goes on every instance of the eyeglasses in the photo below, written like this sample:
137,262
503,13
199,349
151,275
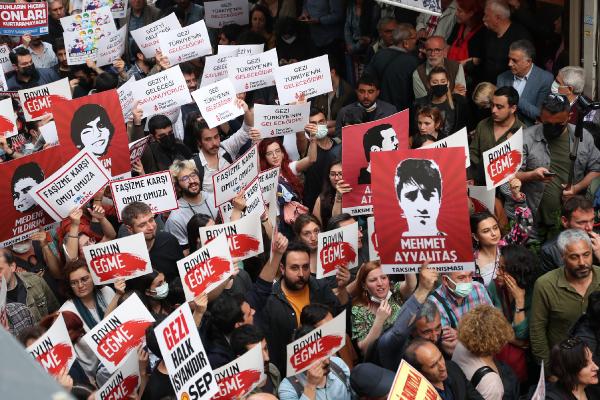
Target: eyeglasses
335,174
570,343
186,178
431,51
273,153
82,281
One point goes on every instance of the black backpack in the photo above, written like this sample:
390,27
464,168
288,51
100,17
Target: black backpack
509,379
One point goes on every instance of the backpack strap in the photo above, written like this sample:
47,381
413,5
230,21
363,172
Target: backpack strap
199,167
297,385
451,316
337,371
479,374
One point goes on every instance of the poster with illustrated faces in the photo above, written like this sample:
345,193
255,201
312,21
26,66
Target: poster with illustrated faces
118,8
359,143
421,209
95,123
21,215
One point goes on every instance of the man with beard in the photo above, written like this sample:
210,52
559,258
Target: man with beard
141,66
560,296
192,201
27,75
160,153
297,288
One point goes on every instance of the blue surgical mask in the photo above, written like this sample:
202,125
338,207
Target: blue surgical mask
554,88
461,289
161,292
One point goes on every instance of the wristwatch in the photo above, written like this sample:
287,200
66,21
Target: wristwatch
518,310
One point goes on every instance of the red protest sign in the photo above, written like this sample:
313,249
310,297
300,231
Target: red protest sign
244,236
25,18
503,161
38,101
123,383
336,248
54,350
240,376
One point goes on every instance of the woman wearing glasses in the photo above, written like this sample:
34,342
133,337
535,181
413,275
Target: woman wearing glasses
571,362
329,202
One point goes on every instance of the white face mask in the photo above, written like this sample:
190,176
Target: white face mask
321,131
289,40
554,88
161,291
378,300
22,248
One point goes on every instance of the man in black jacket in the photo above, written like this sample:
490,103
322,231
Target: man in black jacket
445,375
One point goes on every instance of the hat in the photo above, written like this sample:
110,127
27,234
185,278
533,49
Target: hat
371,380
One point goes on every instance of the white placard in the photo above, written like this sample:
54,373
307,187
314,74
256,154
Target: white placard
184,44
3,84
49,133
5,62
225,12
118,8
123,383
241,376
155,189
161,92
254,202
281,120
236,50
54,350
125,92
184,355
111,47
503,161
540,389
73,185
252,72
8,118
244,236
233,178
372,239
422,6
121,258
206,268
37,101
486,197
146,37
215,69
119,333
311,78
217,102
269,180
458,139
336,248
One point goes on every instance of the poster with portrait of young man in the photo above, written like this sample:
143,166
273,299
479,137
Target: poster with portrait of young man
359,142
421,209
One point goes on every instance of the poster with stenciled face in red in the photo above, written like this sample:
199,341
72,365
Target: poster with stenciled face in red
421,210
359,142
94,122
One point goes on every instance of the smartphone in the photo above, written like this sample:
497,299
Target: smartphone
549,173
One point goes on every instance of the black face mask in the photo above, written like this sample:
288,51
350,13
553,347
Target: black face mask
167,142
28,71
439,90
552,131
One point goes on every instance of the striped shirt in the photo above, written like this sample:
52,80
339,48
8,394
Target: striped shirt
478,296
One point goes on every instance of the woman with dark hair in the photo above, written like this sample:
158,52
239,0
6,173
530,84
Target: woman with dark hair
329,202
571,362
487,240
194,224
261,22
587,327
153,290
91,128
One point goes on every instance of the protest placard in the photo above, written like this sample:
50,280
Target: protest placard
254,202
420,204
155,189
358,144
482,198
54,350
161,92
372,239
206,268
123,383
146,37
458,139
20,214
95,123
5,63
111,47
122,258
3,84
83,31
236,176
432,7
321,343
184,44
309,78
8,118
118,8
217,102
3,312
540,389
184,355
273,120
226,12
503,161
337,248
71,186
252,72
244,236
119,333
17,19
269,180
49,133
39,100
136,149
125,92
237,50
241,376
215,69
411,384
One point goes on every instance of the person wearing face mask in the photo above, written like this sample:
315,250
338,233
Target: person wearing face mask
165,148
569,82
546,165
153,290
42,54
27,75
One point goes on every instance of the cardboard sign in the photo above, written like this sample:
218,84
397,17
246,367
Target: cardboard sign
5,62
119,333
39,101
206,268
480,195
420,204
321,343
411,384
458,139
244,236
184,44
83,31
241,376
281,120
269,180
118,8
18,19
372,239
125,92
540,389
231,179
240,49
226,12
136,149
95,123
49,133
146,37
73,185
337,248
161,92
217,102
111,47
21,215
122,258
54,350
155,189
503,161
8,119
254,202
184,355
123,383
359,142
3,84
311,78
215,69
254,71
